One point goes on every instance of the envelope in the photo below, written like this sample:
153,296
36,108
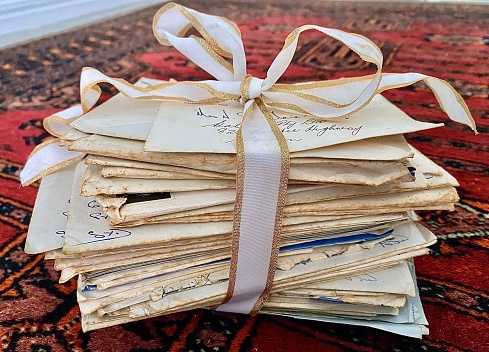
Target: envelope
132,164
52,203
121,116
140,310
395,250
380,281
177,127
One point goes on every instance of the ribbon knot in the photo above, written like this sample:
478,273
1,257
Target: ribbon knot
250,88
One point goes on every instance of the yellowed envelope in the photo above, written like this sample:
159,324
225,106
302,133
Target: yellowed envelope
209,294
51,204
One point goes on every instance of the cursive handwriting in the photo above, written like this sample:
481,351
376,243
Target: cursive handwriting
393,241
288,124
110,234
93,204
98,216
361,278
223,127
199,112
317,126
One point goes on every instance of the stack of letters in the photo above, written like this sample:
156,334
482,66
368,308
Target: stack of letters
145,220
169,197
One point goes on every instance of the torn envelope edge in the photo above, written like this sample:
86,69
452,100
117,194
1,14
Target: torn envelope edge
94,183
411,238
391,280
93,321
183,202
155,212
297,248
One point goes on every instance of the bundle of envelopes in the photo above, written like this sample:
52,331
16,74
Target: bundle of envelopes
145,220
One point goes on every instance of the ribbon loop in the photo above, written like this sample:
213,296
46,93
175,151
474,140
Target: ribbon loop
221,40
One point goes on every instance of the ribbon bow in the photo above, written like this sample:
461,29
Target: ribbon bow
262,153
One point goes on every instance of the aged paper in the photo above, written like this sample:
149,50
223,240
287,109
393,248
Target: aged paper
52,203
211,128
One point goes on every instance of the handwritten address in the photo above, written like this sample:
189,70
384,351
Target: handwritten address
222,123
95,214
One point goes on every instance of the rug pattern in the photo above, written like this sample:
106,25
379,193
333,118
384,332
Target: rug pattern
447,41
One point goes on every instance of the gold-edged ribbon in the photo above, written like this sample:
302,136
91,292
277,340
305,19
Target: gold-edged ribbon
262,153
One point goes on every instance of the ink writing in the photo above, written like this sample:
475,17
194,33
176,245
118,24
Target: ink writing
393,241
224,127
321,127
110,234
362,278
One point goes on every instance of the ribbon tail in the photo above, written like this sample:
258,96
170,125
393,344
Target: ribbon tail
261,186
47,158
449,100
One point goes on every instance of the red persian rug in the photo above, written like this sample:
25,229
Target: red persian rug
447,41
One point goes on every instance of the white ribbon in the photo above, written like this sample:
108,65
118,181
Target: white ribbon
220,52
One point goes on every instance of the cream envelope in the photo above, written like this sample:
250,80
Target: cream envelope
410,238
403,201
206,294
66,260
133,164
202,215
133,150
47,227
322,202
378,299
183,205
386,148
94,183
122,117
391,281
396,280
276,302
107,261
346,173
393,147
212,128
302,169
179,202
72,135
166,258
106,300
129,172
223,163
